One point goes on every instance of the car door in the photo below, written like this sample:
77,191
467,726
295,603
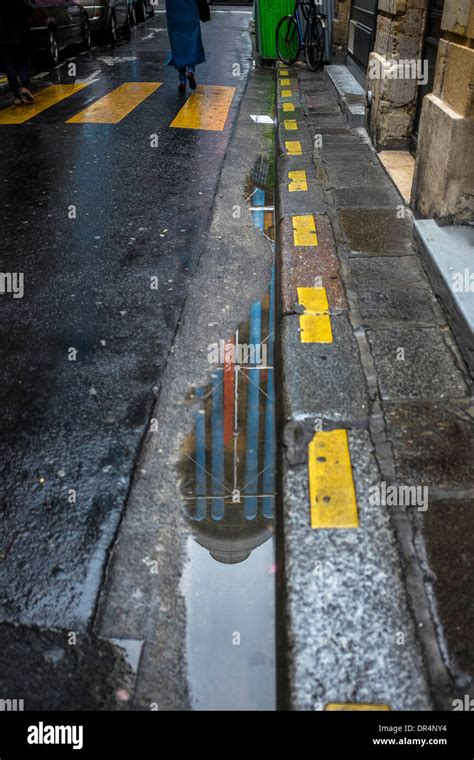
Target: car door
59,16
74,12
120,8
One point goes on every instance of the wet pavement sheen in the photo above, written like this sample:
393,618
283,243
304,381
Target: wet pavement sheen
106,221
228,480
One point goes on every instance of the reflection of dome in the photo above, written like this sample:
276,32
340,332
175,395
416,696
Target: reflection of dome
232,539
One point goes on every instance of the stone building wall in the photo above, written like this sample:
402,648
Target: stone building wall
399,38
443,185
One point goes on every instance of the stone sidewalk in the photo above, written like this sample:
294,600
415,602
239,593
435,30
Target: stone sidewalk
378,600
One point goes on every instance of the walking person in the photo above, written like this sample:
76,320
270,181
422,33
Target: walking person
14,47
184,30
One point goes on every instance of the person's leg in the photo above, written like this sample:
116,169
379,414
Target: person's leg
182,79
23,69
11,72
191,77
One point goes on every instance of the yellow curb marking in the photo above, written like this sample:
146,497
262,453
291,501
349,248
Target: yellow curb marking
117,104
331,485
207,108
294,148
349,706
286,94
43,100
315,323
304,230
285,82
298,181
288,107
290,124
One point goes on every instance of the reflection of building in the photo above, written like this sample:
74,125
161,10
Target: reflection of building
229,465
432,114
230,472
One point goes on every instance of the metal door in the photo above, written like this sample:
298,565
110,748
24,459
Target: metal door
362,28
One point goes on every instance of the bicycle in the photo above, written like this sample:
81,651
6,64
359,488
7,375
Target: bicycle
291,40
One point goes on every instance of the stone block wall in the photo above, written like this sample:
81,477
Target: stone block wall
443,186
399,38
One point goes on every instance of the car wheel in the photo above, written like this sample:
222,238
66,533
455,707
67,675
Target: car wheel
86,36
112,30
52,48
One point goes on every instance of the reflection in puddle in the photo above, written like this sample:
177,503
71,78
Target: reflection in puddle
228,477
231,473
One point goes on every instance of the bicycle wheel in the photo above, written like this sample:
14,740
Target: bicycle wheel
287,40
314,42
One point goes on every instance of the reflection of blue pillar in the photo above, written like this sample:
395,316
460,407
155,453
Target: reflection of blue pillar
201,481
269,456
253,399
259,216
217,445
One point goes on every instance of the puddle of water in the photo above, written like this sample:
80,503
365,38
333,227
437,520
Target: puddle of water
228,480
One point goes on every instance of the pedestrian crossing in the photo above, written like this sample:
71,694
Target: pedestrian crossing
206,109
113,107
44,99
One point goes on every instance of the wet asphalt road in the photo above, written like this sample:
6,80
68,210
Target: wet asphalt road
71,430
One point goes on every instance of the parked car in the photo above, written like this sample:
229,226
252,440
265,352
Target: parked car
57,24
110,18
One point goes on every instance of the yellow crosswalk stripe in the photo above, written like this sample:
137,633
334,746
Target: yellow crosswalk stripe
298,181
284,72
351,706
285,82
43,99
288,107
331,485
294,148
290,124
286,94
114,106
304,230
315,322
207,108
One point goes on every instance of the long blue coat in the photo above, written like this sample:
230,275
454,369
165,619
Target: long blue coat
184,30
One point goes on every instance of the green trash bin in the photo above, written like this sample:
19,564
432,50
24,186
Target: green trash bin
267,15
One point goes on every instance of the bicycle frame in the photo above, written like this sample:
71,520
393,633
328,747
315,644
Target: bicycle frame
309,20
298,23
296,14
